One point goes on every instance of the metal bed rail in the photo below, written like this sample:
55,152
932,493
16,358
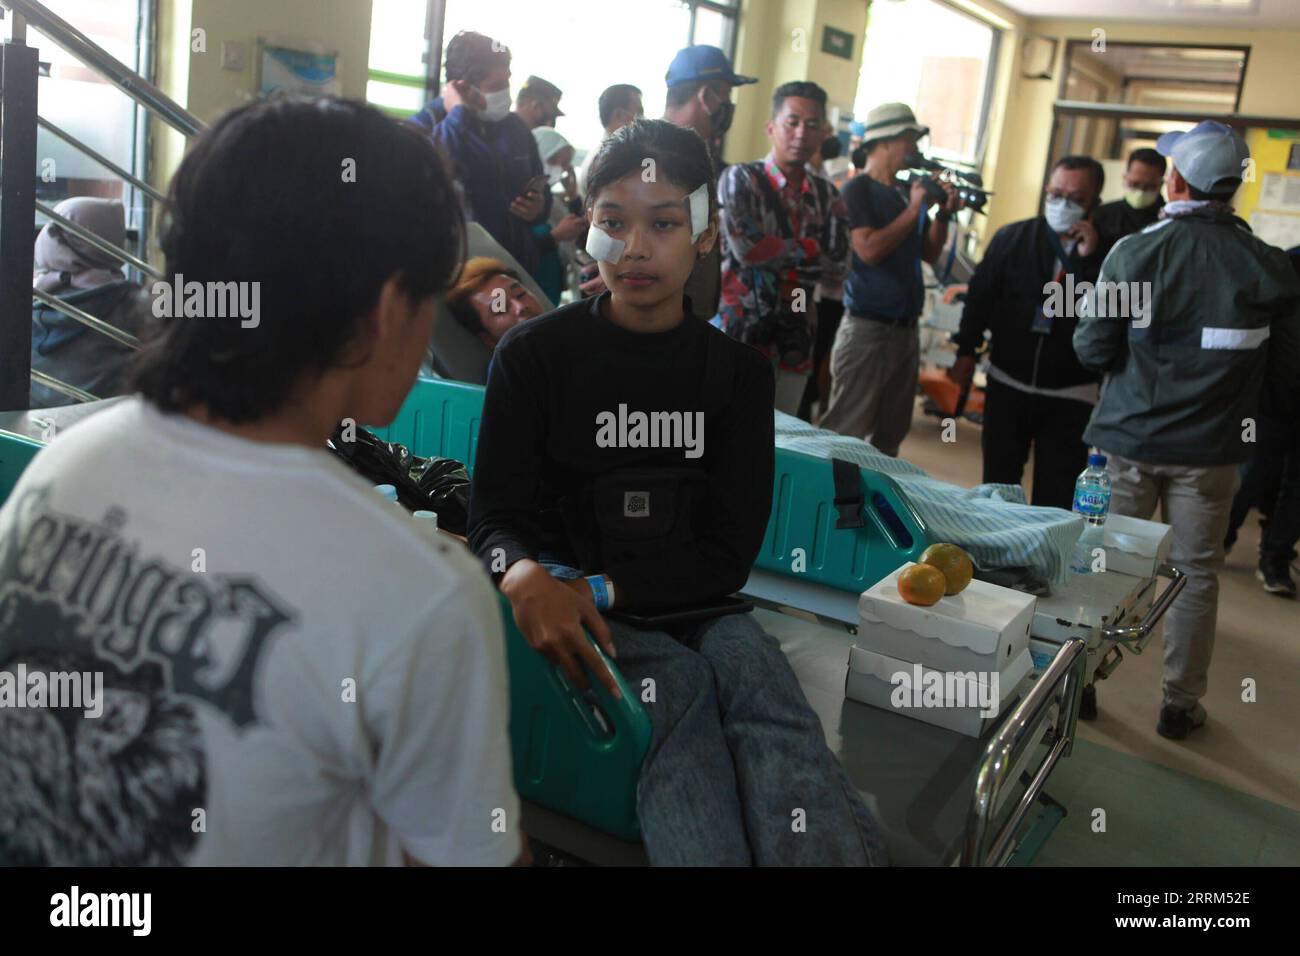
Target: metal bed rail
1136,636
1062,682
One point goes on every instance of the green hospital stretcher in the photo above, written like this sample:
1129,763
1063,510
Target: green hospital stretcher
942,798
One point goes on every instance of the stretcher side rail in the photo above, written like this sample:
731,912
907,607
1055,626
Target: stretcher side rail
1136,636
577,753
16,453
1063,681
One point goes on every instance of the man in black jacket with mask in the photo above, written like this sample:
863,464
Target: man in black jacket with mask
1142,201
1025,293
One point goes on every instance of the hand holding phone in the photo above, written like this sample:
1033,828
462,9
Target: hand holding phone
527,207
720,608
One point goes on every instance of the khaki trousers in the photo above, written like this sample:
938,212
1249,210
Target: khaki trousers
874,372
1195,502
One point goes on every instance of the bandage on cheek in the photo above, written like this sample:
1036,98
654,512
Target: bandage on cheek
699,205
600,245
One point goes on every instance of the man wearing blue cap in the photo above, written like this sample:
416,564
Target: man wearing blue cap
700,80
1184,380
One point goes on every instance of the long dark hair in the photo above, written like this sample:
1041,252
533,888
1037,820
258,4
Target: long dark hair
320,202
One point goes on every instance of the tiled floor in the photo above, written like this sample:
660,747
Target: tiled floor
1229,795
1155,816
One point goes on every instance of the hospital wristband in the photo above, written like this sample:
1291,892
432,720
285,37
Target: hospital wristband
602,591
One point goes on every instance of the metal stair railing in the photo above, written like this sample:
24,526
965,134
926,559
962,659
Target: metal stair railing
100,158
19,70
92,55
88,237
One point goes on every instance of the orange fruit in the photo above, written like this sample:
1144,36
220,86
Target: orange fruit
954,563
922,584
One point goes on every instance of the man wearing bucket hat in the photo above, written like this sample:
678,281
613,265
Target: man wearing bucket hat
876,356
1184,379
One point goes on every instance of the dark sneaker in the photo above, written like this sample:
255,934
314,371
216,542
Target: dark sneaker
1176,723
1276,578
1088,703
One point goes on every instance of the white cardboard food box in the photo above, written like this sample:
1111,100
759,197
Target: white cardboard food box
948,699
984,628
1136,547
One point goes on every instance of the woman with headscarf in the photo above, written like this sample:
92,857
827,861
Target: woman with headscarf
82,276
566,223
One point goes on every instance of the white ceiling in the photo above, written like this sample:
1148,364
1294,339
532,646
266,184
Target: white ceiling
1229,14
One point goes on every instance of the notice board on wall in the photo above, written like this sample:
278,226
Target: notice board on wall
1269,198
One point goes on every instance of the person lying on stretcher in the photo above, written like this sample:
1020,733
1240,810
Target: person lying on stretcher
625,464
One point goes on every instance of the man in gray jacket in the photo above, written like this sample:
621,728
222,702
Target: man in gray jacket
1184,374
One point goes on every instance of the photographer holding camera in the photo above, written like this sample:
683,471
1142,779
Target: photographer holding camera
876,357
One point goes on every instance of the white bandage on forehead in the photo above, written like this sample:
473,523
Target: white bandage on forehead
600,245
699,204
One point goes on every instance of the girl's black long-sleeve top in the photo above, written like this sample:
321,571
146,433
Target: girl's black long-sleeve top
560,414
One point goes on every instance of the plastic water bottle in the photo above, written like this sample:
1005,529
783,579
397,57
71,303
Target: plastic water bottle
1092,503
387,491
430,517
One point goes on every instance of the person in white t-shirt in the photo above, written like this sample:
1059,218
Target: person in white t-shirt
289,669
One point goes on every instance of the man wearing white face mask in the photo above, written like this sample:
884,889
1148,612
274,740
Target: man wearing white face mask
1038,394
1142,201
566,222
495,157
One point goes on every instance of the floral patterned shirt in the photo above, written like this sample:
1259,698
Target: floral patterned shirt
778,241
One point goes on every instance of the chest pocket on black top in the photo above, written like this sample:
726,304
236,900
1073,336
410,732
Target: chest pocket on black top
635,512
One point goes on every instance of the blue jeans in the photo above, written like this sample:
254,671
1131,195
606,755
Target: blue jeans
738,772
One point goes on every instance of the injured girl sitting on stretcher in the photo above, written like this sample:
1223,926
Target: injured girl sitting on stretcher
624,468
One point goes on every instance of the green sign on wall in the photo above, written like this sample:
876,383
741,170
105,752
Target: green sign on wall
837,43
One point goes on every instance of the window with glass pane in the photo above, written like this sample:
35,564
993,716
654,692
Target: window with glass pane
714,28
397,47
943,79
81,103
582,46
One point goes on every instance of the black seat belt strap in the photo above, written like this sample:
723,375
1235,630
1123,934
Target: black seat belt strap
848,494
